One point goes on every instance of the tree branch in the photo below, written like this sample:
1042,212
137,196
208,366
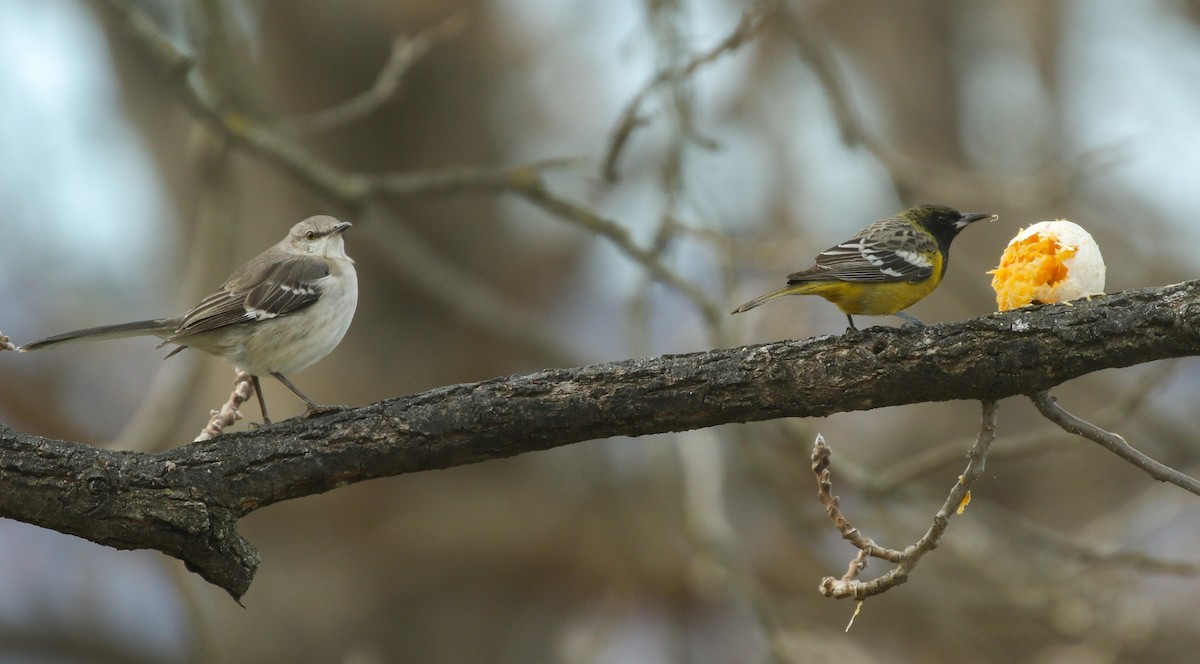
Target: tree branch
1048,406
186,502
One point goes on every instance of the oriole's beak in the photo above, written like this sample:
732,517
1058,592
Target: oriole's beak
972,217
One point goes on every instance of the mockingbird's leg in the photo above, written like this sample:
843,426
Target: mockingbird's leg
314,408
262,403
312,405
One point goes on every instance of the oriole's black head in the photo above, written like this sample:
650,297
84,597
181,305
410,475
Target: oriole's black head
943,221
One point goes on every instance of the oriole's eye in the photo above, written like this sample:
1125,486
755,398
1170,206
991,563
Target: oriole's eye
310,236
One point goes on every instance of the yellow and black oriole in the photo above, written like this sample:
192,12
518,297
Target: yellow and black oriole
886,267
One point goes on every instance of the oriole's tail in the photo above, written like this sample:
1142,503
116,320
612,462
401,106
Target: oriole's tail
135,329
790,289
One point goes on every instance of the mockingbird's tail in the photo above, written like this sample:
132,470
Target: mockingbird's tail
135,329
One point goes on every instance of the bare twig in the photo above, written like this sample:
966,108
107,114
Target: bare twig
849,586
1114,412
243,389
1112,442
820,465
1090,549
631,118
456,180
536,193
405,52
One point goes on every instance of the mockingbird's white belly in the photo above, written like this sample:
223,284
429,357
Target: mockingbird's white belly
296,341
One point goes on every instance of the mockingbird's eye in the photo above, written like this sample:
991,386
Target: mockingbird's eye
310,236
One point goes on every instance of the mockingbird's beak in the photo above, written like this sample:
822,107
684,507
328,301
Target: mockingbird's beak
340,228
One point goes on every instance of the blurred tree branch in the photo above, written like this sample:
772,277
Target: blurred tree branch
357,190
186,502
935,181
752,22
405,51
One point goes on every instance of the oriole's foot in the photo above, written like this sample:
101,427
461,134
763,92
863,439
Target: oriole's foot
909,321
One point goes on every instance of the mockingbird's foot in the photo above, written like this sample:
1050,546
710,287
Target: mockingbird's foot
316,409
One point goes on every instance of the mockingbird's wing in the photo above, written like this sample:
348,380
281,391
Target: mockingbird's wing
262,290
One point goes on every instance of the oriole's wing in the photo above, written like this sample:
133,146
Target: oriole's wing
888,250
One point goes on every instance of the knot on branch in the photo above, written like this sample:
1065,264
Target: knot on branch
95,489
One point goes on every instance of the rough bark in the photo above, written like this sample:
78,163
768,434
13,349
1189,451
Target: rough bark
186,502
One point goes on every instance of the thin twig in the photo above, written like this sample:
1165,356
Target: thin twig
1116,412
540,196
849,586
458,180
243,389
405,51
820,466
1112,442
631,117
1091,550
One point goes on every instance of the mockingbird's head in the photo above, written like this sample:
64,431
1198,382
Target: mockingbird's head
318,236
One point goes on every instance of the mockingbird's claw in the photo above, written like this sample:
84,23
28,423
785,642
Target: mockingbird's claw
314,411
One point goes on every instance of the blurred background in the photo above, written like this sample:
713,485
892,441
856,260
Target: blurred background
707,547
